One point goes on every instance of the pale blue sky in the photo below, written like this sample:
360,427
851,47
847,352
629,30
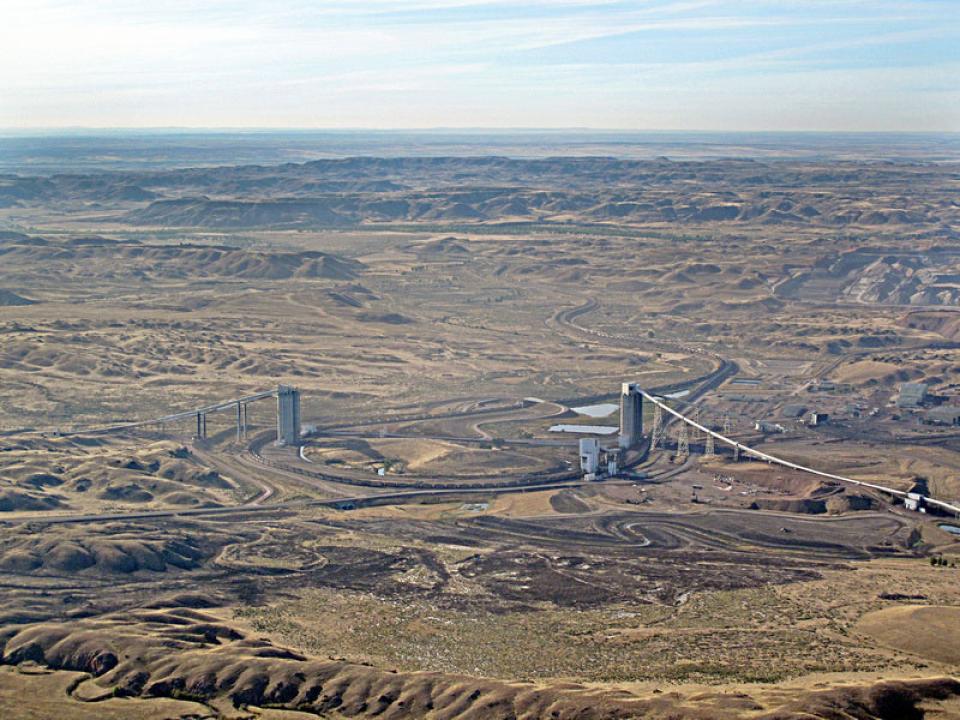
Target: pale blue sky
642,64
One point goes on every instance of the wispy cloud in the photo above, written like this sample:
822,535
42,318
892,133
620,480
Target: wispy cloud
493,62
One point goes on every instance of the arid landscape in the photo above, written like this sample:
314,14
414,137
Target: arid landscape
429,548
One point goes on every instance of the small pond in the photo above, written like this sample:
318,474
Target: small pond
597,411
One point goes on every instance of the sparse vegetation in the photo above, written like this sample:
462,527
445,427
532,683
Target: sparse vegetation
439,316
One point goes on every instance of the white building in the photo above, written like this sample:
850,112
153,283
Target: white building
589,455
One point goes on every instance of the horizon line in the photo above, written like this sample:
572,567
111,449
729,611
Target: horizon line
450,129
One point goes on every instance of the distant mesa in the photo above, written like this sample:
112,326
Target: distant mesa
629,286
344,299
678,276
132,193
94,240
9,298
9,236
717,213
443,246
204,212
458,211
180,261
702,269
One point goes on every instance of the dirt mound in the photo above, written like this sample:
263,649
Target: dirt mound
9,236
385,318
809,506
444,246
344,299
881,701
11,299
629,286
185,600
766,305
716,213
39,481
131,493
946,324
122,554
848,502
14,500
116,472
701,269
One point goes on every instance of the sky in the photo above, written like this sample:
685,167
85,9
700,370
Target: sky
750,65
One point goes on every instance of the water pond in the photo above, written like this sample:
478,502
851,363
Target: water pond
597,411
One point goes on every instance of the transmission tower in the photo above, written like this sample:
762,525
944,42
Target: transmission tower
727,425
708,449
695,431
683,441
656,434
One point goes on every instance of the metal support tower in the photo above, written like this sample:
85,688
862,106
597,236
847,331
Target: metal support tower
656,433
683,441
708,448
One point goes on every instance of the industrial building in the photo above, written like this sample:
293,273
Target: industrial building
589,455
912,395
288,415
945,415
816,419
914,501
597,462
613,462
768,427
631,415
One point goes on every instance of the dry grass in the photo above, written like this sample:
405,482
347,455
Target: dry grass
38,694
930,632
